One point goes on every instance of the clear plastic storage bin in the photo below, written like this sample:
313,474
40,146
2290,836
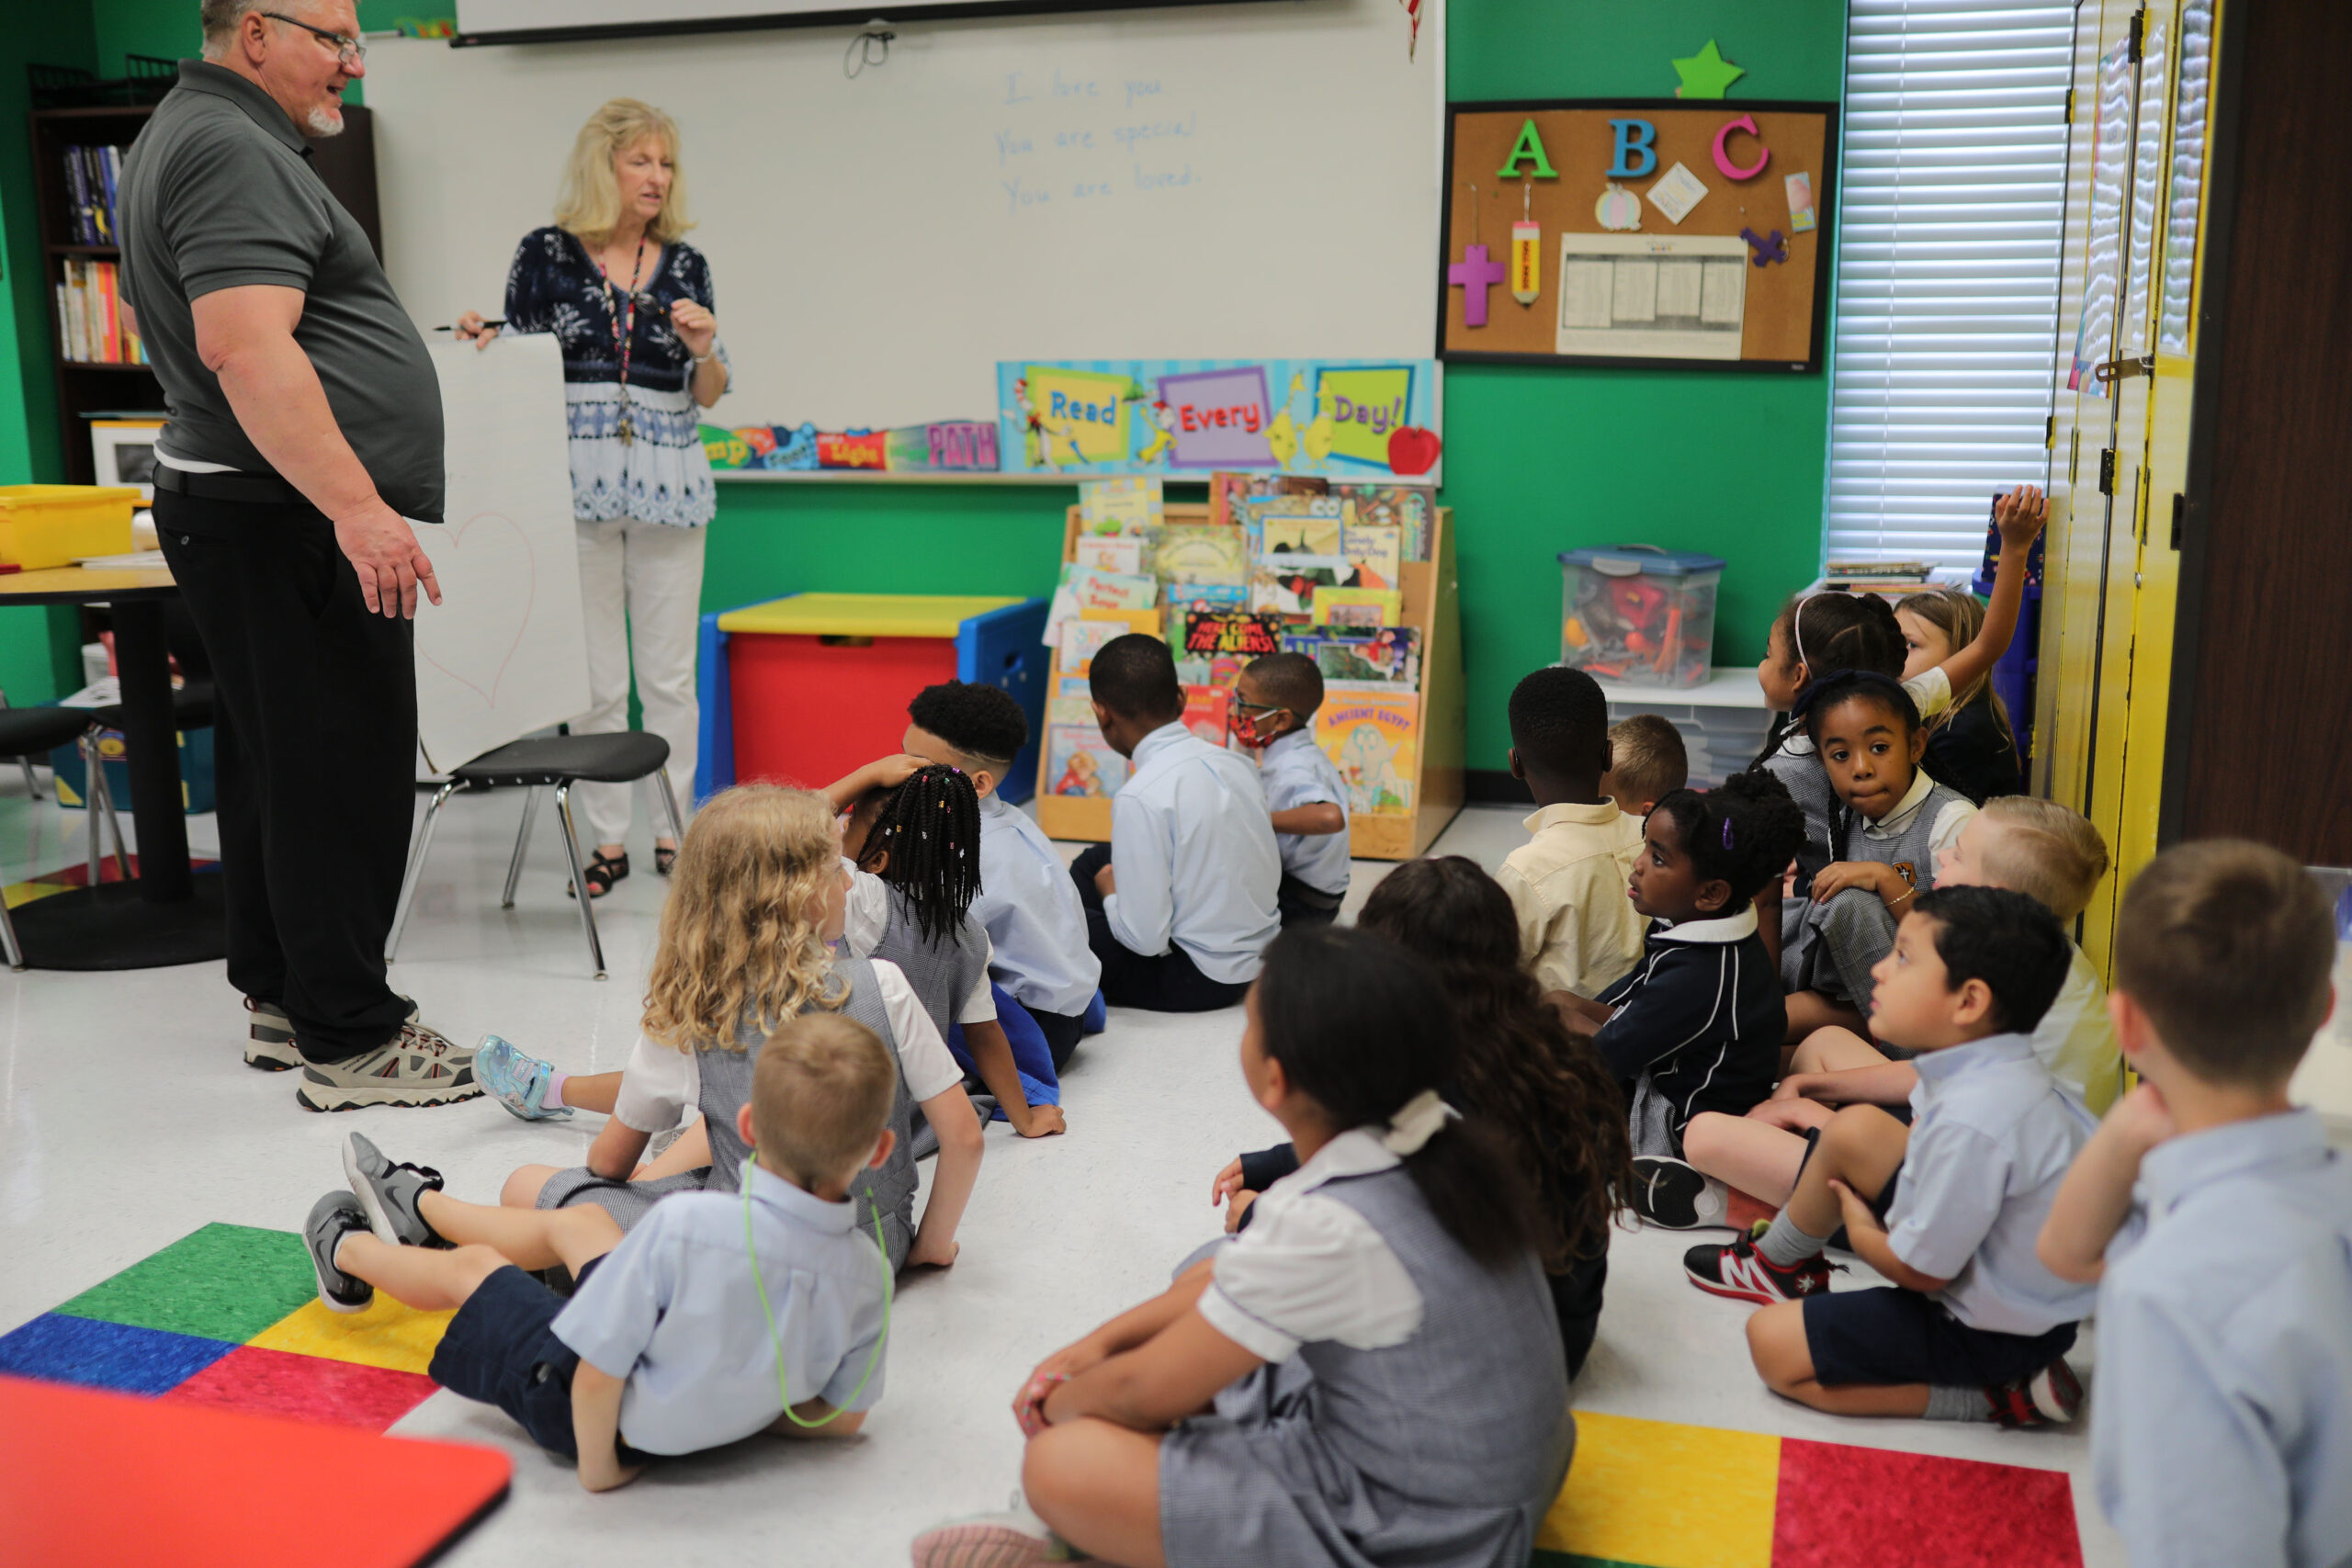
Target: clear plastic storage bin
1639,614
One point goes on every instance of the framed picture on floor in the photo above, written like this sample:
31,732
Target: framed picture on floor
123,450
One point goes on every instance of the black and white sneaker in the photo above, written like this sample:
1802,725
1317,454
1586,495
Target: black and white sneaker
387,1193
333,1217
1675,1195
2052,1397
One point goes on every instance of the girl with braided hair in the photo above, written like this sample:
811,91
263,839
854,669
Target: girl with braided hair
912,842
1697,1026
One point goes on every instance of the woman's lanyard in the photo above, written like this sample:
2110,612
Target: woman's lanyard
624,329
783,1388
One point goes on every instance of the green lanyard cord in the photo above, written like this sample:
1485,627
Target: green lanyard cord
783,1388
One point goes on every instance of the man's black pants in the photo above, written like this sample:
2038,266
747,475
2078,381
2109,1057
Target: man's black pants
1169,982
313,755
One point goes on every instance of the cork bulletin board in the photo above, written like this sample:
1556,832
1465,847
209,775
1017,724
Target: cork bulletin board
1580,258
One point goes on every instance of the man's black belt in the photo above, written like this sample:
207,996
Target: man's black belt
253,489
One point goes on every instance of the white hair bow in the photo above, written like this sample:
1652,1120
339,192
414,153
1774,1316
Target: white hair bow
1415,1122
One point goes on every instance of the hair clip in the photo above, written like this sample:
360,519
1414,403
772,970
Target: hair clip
1726,832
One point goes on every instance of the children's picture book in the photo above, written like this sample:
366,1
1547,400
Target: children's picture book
1098,590
1254,511
1205,712
1184,596
1070,707
1228,488
1287,585
1209,669
1388,657
1371,738
1083,638
1202,553
1129,506
1241,634
1079,762
1342,607
1296,533
1373,550
1120,554
1408,508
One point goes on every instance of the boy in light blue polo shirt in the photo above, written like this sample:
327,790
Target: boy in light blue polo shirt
717,1316
1976,1327
1276,700
1027,903
2217,1224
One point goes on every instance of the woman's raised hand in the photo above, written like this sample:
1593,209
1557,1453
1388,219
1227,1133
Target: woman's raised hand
695,327
471,330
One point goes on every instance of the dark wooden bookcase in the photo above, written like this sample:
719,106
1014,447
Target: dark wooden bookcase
346,163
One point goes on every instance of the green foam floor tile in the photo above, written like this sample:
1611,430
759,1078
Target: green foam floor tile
221,1282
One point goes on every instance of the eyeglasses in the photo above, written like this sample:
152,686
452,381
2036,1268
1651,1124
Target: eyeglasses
1241,707
348,50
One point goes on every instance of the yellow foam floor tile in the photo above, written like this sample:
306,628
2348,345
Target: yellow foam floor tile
1667,1495
386,1335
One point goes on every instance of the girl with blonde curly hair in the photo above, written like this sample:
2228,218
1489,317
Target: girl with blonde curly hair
745,943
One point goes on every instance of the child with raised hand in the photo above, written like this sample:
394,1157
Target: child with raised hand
1566,883
1039,962
1697,1025
1539,1092
1648,761
759,895
1891,822
1368,1374
2217,1225
669,1343
1970,745
1275,699
1974,1326
912,844
1183,900
2039,848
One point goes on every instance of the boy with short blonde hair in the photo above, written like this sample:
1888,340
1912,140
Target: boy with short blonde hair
1648,761
716,1316
2219,1225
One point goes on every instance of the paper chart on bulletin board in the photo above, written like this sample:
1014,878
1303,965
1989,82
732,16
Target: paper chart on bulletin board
1634,231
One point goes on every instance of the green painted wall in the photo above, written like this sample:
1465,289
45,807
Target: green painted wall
1537,461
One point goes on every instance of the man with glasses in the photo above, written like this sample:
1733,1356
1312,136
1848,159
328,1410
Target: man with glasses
305,436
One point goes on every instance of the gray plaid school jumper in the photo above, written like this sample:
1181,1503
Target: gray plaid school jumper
1444,1451
726,1089
940,974
1839,942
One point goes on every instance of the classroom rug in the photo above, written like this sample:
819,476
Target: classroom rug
93,1480
229,1317
1660,1494
67,878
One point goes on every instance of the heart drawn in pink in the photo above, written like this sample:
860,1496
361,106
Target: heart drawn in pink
495,579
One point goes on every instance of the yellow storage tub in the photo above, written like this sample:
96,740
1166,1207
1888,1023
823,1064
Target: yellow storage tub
46,526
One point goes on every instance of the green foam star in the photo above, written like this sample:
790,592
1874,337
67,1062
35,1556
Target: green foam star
1706,73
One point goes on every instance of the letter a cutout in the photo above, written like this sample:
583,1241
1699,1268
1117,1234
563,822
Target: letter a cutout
1528,146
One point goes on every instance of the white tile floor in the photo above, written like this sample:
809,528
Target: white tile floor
127,1120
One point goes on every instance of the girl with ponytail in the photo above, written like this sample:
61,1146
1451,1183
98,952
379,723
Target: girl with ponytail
1370,1374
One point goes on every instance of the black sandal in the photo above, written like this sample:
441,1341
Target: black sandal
664,857
600,874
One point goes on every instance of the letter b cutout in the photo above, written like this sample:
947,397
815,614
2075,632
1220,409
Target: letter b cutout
1636,141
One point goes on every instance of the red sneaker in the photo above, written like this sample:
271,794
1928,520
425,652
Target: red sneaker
2052,1397
1744,1274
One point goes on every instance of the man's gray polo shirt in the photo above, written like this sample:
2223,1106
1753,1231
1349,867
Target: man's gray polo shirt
219,192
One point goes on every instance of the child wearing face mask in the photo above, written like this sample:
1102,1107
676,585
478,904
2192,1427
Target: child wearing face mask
1276,700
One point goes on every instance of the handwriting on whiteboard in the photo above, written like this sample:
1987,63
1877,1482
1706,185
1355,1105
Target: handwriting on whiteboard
1072,139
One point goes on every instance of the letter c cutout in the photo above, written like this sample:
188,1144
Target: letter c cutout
1746,122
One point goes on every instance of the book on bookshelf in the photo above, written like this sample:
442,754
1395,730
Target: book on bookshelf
1372,738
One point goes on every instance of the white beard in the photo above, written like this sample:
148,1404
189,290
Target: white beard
326,121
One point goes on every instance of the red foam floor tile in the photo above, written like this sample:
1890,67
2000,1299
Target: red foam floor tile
306,1388
1839,1505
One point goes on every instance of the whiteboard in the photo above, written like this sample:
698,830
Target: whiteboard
504,653
1212,182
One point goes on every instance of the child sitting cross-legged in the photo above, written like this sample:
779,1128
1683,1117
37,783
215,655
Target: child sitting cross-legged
2035,847
913,845
1369,1375
1697,1025
758,896
1974,1326
2217,1225
1182,901
1276,698
1039,962
1576,933
717,1316
1648,761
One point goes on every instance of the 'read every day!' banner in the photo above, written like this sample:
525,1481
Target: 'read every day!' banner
1344,418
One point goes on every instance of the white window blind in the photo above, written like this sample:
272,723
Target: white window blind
1953,184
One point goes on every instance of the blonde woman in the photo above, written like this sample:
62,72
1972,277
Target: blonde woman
630,303
1971,746
746,943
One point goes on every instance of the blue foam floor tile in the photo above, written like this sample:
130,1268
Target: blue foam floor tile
96,1354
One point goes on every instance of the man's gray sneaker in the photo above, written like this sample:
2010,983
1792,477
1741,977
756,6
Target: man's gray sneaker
269,1039
418,1066
389,1193
333,1216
